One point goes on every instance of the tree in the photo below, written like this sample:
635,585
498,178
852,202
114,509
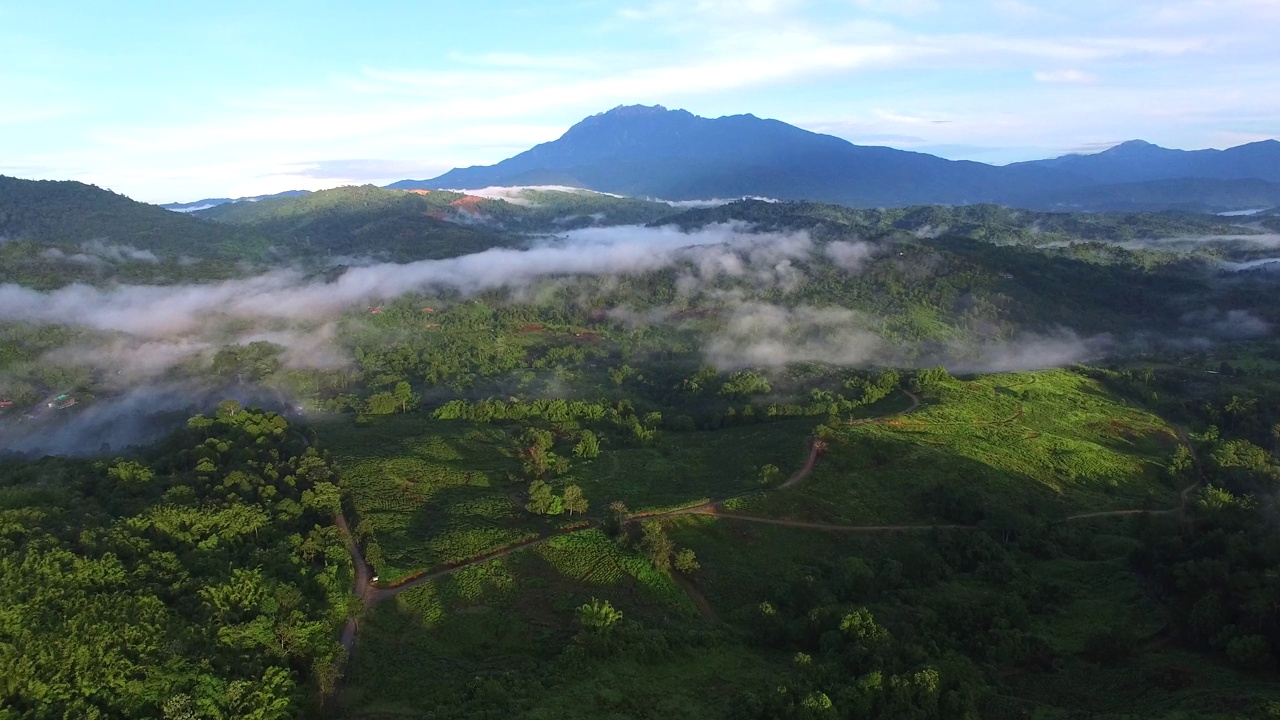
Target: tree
541,500
130,472
1250,652
598,616
615,522
621,373
746,382
574,502
686,561
228,409
769,473
1181,463
382,404
588,446
655,544
404,395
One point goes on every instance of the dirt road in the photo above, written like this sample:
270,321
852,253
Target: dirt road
363,584
371,595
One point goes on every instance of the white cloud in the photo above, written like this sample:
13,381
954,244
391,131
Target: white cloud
479,106
1073,77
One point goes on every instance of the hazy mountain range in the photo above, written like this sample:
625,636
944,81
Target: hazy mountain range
207,203
675,155
654,152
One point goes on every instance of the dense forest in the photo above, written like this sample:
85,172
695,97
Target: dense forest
760,460
203,578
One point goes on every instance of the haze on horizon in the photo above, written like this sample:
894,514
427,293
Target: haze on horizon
251,100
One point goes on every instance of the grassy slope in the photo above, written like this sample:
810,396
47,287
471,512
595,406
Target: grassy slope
434,492
515,613
1053,440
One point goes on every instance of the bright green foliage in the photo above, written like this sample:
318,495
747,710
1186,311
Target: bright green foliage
686,561
130,472
382,404
574,501
598,616
588,446
746,382
143,589
405,396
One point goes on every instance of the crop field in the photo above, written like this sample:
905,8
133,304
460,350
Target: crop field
1051,442
431,493
427,493
685,467
1036,446
517,613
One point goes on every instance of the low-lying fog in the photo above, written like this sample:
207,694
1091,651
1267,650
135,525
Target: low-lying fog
144,332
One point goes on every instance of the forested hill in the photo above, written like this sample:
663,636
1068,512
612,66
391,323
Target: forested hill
67,214
992,223
413,225
362,221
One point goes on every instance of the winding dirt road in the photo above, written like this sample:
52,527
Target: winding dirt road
363,585
371,595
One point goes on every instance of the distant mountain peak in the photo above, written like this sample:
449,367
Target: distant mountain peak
653,151
1134,146
636,111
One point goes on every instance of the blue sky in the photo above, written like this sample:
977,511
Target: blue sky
177,101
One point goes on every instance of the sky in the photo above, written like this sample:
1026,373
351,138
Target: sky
169,101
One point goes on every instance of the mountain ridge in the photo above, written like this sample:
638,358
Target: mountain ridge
650,151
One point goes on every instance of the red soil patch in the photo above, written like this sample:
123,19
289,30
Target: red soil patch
418,192
468,204
532,328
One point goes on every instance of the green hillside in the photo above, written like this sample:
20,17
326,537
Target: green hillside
414,225
729,479
69,214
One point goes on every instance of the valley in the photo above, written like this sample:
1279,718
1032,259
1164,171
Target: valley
544,452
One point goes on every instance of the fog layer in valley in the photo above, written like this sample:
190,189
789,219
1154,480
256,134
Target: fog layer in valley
142,333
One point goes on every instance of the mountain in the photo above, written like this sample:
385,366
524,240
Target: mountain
207,203
675,155
68,214
1139,161
1190,194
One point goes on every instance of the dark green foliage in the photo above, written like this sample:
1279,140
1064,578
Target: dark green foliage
655,544
67,214
542,501
361,221
404,226
202,579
